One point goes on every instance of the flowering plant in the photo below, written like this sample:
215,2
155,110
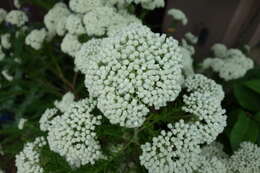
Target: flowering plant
94,89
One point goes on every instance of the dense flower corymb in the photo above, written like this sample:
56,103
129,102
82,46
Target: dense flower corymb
54,16
219,50
174,151
133,70
83,6
17,4
178,15
70,44
36,38
46,119
204,101
229,64
28,160
74,24
17,18
246,159
202,84
73,136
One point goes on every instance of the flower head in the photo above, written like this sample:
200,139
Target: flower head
17,18
174,151
204,102
246,159
36,38
28,160
70,44
233,65
219,50
73,136
178,15
84,6
133,70
55,15
74,24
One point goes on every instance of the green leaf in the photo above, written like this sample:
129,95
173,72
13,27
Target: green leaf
244,129
247,98
254,85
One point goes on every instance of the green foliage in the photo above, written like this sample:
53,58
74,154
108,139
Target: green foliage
246,90
244,118
254,85
243,128
246,97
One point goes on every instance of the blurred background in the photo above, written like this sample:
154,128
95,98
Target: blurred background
233,22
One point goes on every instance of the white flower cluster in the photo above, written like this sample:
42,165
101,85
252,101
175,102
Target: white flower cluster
219,50
97,21
5,41
54,19
28,160
36,38
105,19
21,123
122,19
229,64
246,159
204,102
215,149
191,38
65,103
16,17
87,53
74,24
201,83
46,119
149,4
17,4
178,15
174,151
91,17
84,6
72,134
131,71
120,4
211,165
3,14
212,159
70,44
